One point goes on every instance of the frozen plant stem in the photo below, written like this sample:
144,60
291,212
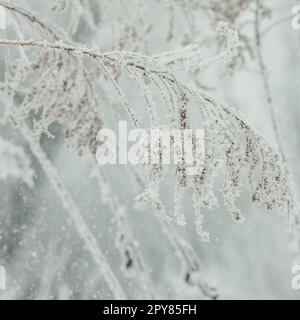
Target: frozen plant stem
98,56
266,85
74,213
263,72
43,25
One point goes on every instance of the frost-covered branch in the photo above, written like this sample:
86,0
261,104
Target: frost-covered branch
269,191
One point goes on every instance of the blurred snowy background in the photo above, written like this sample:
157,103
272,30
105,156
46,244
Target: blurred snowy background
40,248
